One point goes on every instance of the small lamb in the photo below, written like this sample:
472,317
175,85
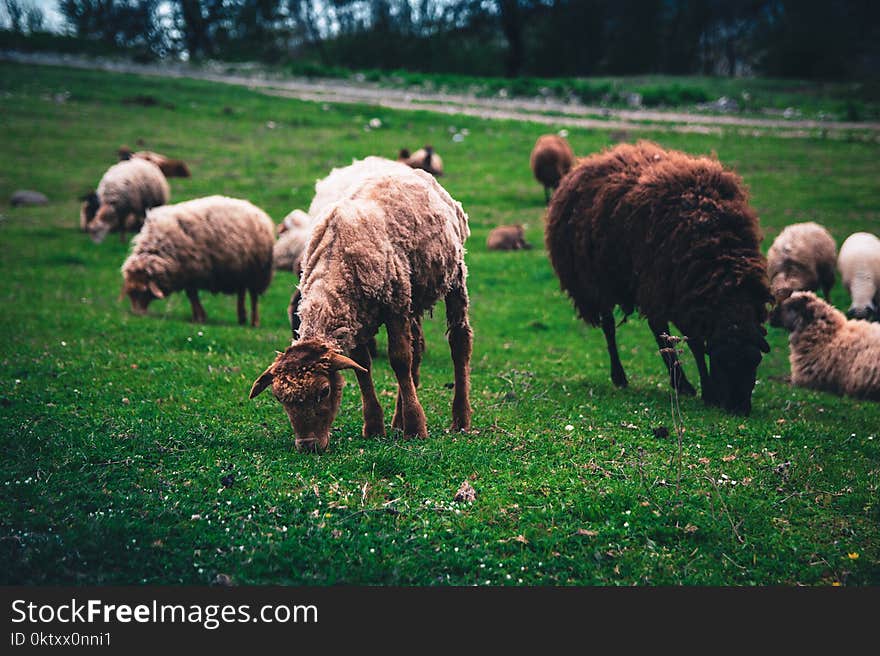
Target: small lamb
215,243
859,265
829,353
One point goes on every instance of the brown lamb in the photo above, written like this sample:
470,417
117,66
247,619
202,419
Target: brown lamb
385,254
550,160
829,353
673,236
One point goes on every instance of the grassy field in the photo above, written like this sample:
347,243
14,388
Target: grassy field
116,430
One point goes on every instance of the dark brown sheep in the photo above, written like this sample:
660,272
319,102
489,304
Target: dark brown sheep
674,237
550,160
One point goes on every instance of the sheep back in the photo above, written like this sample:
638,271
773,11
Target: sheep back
215,243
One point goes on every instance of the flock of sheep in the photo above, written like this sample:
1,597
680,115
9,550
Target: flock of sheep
636,226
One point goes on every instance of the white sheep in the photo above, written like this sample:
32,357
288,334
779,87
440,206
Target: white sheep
829,353
802,258
293,235
214,243
385,254
859,265
125,193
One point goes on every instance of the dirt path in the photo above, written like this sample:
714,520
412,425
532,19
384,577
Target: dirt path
546,111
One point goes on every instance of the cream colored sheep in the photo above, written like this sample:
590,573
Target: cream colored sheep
383,255
802,258
859,265
294,234
215,243
829,353
125,193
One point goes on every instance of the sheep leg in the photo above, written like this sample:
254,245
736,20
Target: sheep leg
408,412
461,345
198,311
374,422
618,375
699,352
293,315
242,315
677,380
418,348
255,312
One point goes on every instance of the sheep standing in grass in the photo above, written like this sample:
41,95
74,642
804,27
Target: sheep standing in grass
125,193
550,160
859,265
172,168
672,235
215,243
829,353
385,254
802,258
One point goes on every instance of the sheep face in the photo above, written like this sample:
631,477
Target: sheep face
733,366
796,312
306,381
140,290
88,210
104,221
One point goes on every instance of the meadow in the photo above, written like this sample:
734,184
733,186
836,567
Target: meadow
131,453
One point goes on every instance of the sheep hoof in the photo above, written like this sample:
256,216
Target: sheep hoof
373,430
619,380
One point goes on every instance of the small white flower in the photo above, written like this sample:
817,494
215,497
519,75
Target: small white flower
63,343
271,125
563,133
458,138
375,123
569,427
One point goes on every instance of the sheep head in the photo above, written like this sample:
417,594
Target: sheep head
735,351
88,210
104,220
306,381
140,288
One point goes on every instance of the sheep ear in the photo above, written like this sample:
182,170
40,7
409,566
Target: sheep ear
262,382
338,361
154,289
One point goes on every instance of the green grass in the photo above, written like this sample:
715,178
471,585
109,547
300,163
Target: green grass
843,101
116,430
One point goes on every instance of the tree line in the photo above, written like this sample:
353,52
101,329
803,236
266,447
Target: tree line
785,38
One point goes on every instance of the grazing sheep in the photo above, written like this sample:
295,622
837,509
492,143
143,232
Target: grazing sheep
507,238
550,160
801,258
674,237
172,168
294,233
215,243
859,265
383,255
125,193
424,158
829,353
